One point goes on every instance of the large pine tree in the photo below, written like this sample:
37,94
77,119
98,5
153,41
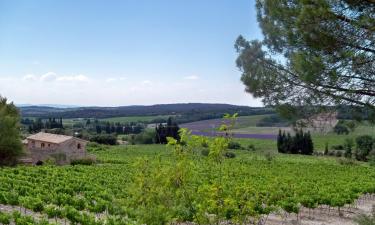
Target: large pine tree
314,52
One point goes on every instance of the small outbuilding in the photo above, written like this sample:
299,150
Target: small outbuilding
61,149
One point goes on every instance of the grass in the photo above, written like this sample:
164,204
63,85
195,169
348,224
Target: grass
319,139
331,138
249,121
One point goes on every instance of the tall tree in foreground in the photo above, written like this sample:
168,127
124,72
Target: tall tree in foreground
314,52
10,143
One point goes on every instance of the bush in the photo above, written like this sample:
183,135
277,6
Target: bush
234,145
205,152
89,160
251,147
4,218
331,153
348,146
272,121
337,147
269,156
105,139
58,158
346,162
95,147
146,137
338,153
371,158
230,154
341,128
364,146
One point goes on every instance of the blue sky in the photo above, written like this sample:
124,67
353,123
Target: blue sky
127,52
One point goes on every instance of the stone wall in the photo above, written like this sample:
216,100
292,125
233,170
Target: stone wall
62,153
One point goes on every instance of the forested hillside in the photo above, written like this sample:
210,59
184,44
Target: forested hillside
194,111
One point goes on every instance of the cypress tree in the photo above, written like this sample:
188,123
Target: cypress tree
280,142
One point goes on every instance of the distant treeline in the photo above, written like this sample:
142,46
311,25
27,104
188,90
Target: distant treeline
39,124
93,126
183,112
119,128
354,113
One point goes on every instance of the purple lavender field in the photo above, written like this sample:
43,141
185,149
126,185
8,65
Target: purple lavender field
209,128
236,135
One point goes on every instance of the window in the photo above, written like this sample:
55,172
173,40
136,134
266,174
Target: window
33,144
49,145
42,145
78,146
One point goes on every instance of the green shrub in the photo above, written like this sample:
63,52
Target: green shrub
371,158
105,139
230,154
251,147
364,146
234,145
5,218
331,153
89,160
146,137
95,147
269,156
346,161
337,147
348,146
205,151
341,128
338,154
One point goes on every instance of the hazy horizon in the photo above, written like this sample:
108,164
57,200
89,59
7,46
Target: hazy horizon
83,106
123,52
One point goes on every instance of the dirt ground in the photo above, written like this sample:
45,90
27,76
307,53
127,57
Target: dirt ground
324,215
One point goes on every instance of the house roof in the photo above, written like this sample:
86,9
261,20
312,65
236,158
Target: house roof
51,138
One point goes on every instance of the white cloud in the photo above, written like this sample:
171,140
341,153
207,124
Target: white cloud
50,76
146,82
79,78
53,77
30,77
114,79
192,77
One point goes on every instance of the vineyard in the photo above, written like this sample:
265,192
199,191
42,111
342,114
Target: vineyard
159,185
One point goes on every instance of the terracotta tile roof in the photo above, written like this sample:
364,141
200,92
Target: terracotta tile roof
51,138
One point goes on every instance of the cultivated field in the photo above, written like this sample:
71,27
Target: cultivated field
264,138
119,190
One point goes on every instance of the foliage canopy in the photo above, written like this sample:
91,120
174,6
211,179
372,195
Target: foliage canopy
10,143
313,53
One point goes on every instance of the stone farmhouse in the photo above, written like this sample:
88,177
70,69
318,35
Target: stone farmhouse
322,122
61,149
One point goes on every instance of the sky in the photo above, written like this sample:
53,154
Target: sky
123,52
